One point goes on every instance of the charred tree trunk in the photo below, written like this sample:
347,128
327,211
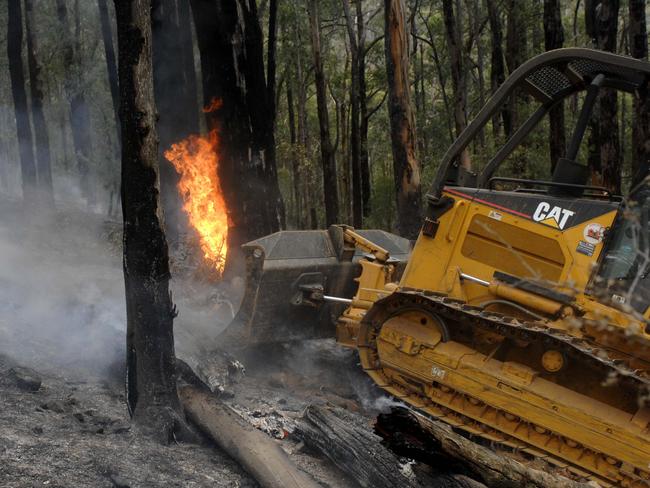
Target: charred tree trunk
348,442
231,48
328,159
453,31
151,379
497,65
41,138
79,113
554,39
609,172
638,33
17,75
111,63
176,99
406,169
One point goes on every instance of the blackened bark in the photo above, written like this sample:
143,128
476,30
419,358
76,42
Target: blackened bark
554,39
17,75
176,99
638,33
330,184
609,172
153,396
497,64
111,63
232,68
79,113
41,138
406,169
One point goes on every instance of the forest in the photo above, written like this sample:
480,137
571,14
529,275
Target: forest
348,243
316,83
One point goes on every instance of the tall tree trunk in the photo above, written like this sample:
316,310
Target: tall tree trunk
271,62
515,54
328,160
111,64
176,99
406,169
641,105
17,75
497,65
453,32
609,172
554,39
355,127
593,140
151,377
41,138
364,157
232,66
80,121
295,162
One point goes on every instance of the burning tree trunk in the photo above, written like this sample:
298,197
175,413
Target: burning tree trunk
232,64
43,163
406,169
151,383
554,39
328,160
638,33
176,99
16,73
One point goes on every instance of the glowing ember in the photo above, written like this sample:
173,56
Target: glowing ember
196,159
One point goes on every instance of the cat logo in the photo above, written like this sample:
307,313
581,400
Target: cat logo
553,216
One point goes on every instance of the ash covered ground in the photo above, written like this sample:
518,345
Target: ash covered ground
62,324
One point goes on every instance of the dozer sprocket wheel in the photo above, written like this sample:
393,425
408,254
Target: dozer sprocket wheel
484,372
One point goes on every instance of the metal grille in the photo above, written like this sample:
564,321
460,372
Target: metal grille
549,81
589,69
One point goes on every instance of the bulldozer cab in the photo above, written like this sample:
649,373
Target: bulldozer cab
602,244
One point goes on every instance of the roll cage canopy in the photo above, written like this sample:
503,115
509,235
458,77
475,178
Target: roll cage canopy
549,78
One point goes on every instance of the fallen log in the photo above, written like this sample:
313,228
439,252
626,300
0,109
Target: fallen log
403,429
258,454
350,444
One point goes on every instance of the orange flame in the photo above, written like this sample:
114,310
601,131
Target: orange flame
215,105
196,159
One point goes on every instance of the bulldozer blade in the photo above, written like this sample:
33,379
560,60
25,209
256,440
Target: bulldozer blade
287,275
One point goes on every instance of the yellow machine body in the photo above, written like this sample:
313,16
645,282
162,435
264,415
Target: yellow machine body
525,394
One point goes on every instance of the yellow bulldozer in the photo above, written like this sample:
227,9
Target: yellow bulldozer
521,313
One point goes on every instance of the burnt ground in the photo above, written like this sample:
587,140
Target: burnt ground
62,316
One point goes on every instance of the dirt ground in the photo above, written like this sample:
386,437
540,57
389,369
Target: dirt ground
62,316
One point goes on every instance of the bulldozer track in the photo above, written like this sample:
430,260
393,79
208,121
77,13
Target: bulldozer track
475,416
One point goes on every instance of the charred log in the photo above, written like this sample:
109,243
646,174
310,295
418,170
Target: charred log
437,444
350,444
